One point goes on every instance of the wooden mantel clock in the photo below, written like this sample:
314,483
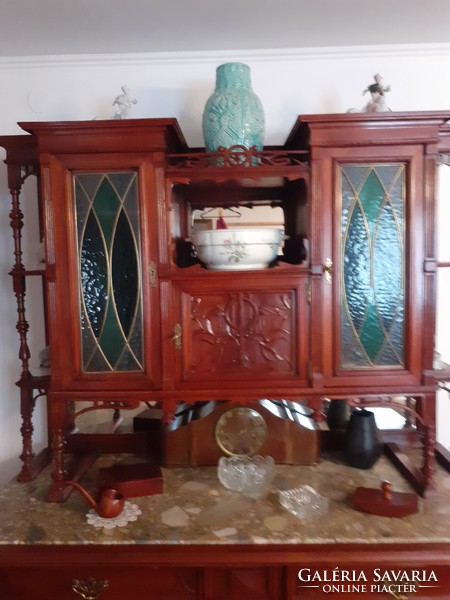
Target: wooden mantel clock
202,433
346,311
241,431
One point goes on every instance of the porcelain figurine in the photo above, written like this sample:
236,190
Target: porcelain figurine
377,102
124,103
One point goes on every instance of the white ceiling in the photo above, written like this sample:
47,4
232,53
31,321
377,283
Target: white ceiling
51,27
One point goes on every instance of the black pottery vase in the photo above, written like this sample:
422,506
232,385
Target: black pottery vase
337,414
362,441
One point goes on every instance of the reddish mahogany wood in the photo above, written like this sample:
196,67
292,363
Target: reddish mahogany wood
22,161
203,572
132,480
384,502
120,136
172,180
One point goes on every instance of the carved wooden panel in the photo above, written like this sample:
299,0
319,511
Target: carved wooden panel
240,334
241,330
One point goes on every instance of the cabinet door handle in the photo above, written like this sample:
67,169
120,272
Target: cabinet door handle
89,589
328,270
152,273
177,335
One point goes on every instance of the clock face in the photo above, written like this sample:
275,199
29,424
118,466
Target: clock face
241,431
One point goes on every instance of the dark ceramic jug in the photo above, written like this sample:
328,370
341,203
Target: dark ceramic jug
338,414
362,442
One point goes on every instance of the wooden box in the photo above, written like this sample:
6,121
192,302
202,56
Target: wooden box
132,481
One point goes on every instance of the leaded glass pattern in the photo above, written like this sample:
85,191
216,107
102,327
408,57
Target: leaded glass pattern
372,284
107,218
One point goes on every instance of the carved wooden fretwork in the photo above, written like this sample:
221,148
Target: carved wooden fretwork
240,156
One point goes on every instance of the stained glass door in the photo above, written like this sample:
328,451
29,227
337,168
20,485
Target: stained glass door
372,278
112,256
109,262
373,295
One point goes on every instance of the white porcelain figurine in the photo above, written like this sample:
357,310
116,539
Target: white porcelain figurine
124,103
377,102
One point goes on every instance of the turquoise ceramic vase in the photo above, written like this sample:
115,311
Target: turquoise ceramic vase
234,114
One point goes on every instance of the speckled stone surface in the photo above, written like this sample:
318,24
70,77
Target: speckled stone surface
196,509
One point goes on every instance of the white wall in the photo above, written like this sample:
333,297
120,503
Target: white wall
289,83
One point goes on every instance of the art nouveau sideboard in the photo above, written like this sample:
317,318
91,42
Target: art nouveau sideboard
133,317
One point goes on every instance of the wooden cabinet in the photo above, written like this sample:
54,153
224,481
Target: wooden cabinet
225,573
347,310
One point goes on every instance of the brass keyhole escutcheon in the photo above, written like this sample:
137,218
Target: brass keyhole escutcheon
328,270
177,336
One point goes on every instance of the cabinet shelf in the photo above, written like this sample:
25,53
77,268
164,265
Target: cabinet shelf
281,269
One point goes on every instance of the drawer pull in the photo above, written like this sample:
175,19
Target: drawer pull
89,589
397,595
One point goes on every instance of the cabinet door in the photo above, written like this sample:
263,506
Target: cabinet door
103,290
373,266
233,330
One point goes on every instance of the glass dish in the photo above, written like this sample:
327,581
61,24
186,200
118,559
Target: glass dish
304,502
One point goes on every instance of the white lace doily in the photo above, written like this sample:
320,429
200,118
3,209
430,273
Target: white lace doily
130,513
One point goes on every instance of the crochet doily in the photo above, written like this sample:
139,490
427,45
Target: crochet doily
130,513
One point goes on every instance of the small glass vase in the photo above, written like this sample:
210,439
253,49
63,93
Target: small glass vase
233,115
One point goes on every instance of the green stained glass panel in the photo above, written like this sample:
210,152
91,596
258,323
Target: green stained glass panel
124,273
94,273
372,293
107,217
106,205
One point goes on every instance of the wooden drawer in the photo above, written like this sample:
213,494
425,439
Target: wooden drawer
254,583
118,583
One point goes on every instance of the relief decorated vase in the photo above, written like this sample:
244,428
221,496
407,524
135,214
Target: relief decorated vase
233,115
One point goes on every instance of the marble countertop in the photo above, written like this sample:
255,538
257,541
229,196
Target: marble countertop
196,509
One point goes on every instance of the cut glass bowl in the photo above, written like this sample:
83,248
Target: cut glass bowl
250,475
304,502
